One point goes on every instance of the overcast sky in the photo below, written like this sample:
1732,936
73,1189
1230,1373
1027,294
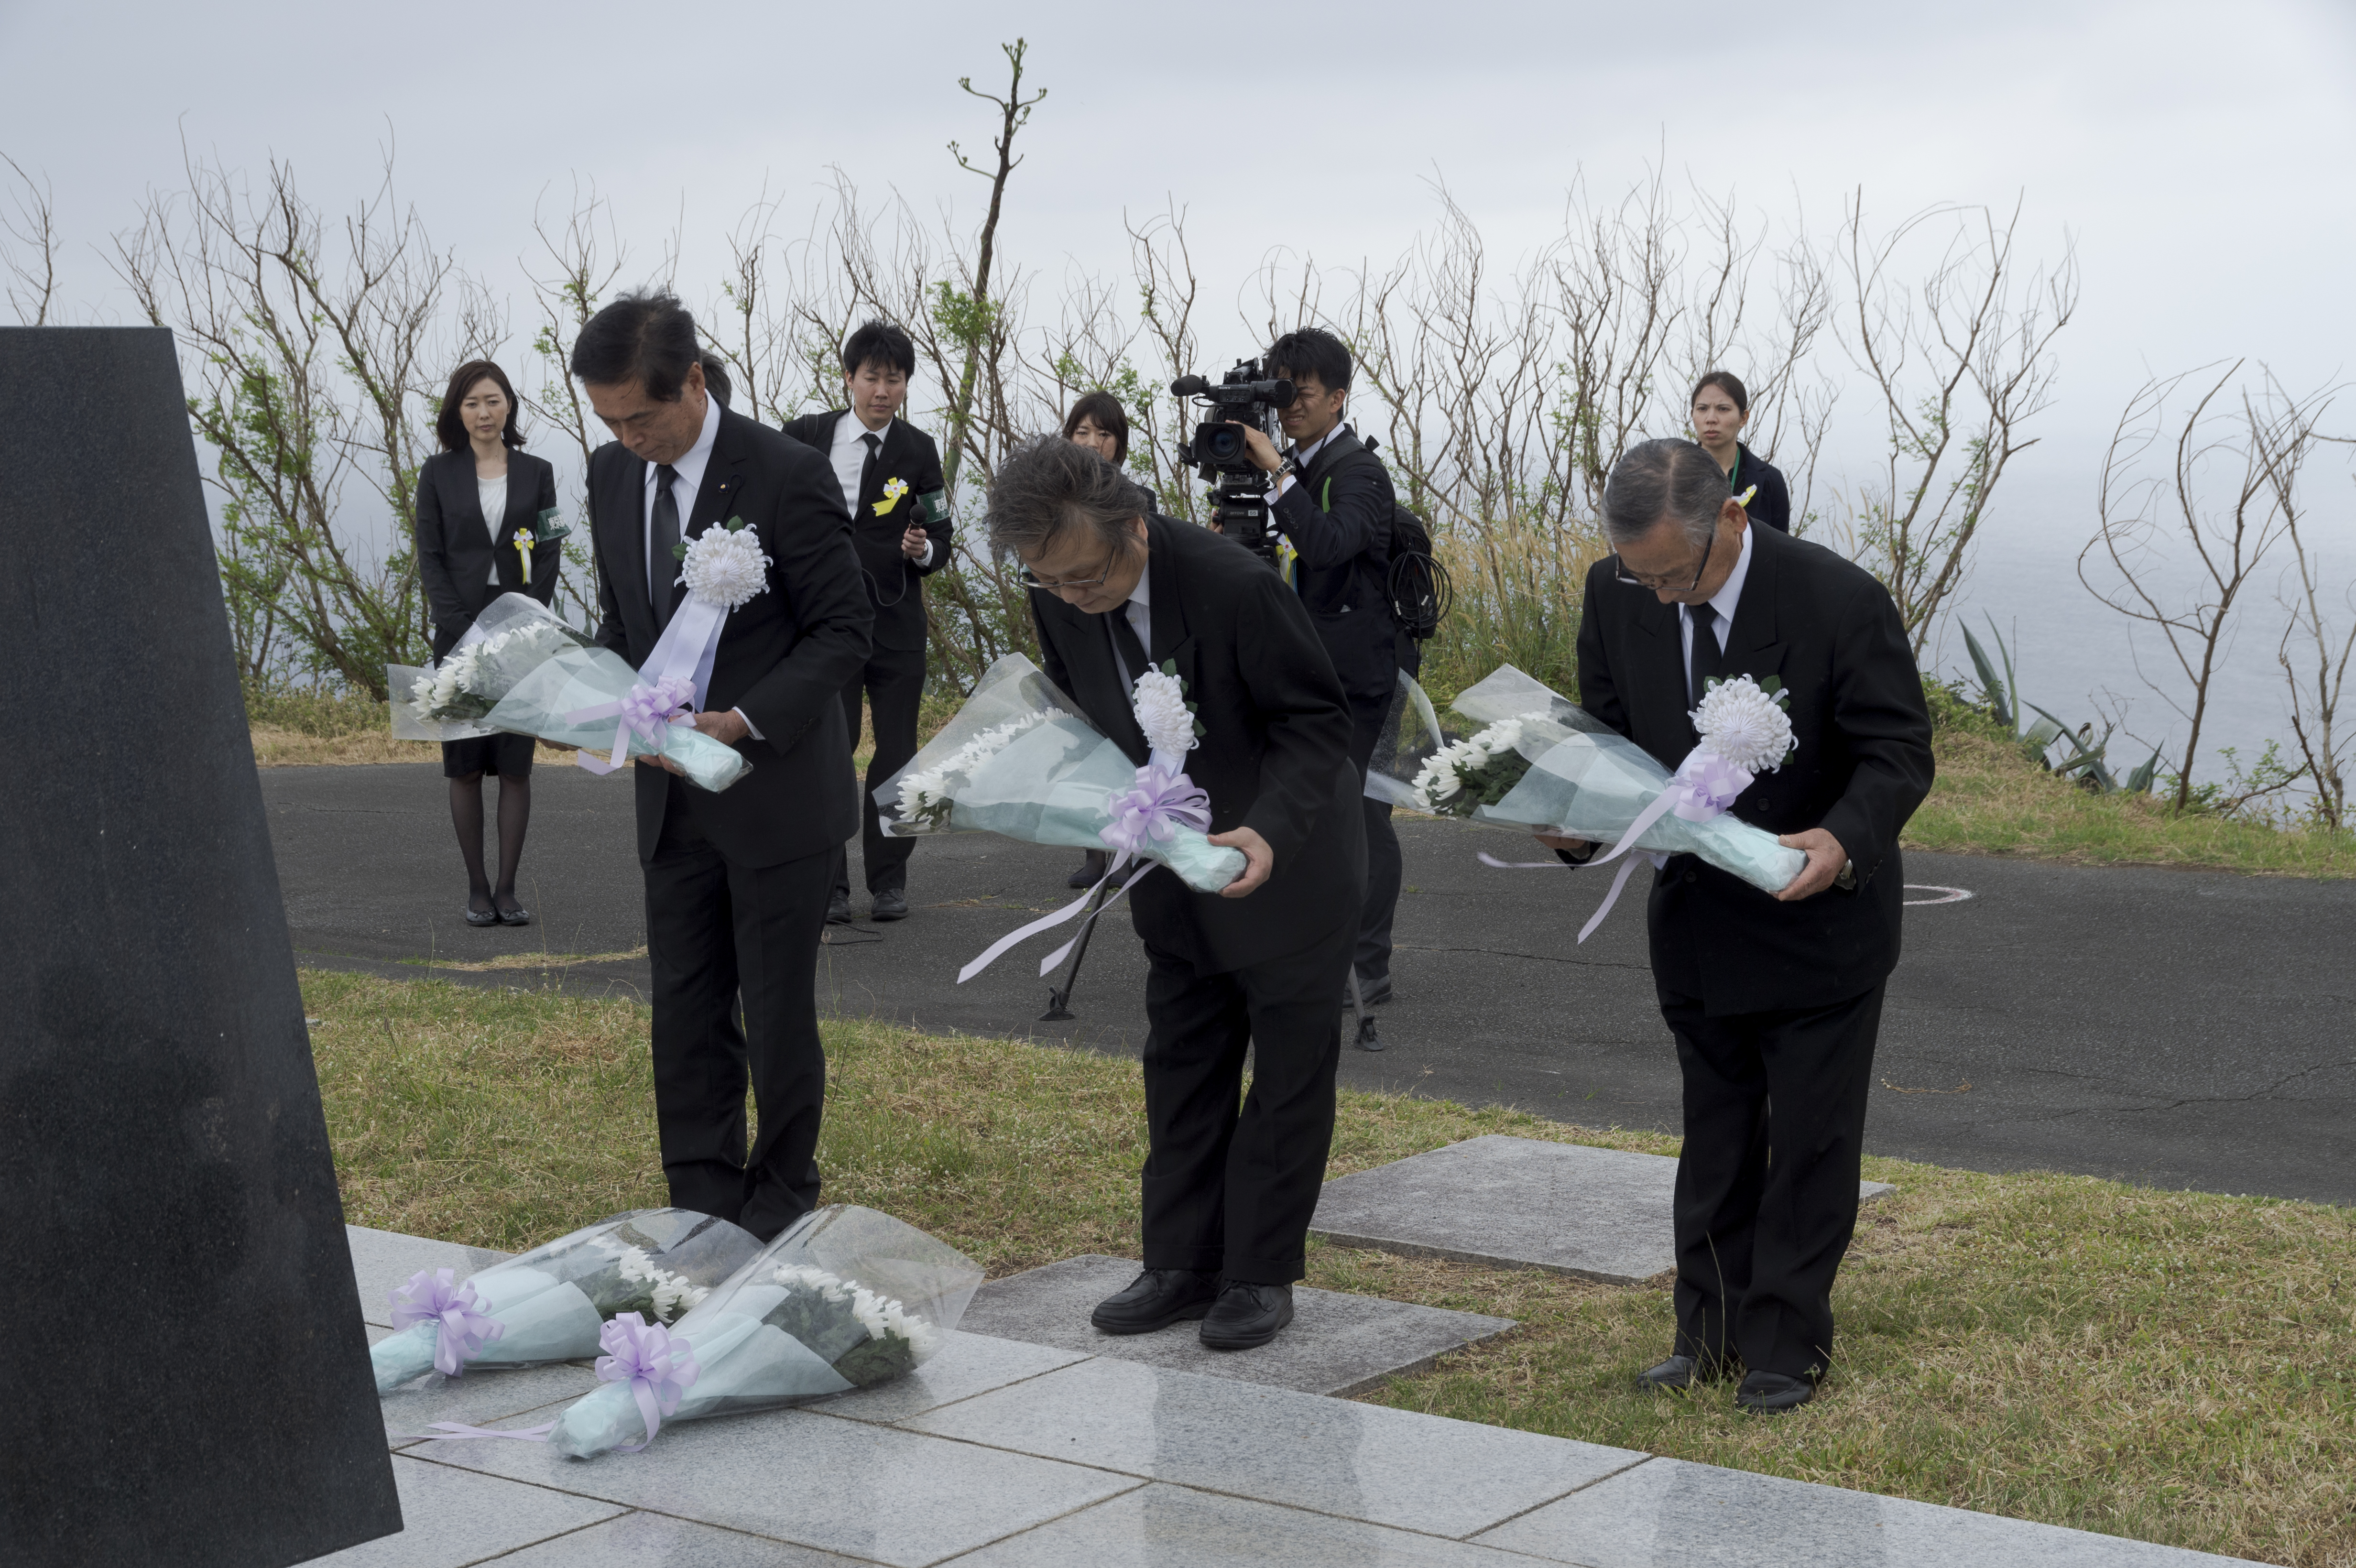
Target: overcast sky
2197,153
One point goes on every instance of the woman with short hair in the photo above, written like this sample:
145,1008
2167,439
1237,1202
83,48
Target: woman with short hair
480,505
1720,406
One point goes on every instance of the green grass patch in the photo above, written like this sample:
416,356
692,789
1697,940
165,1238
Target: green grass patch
2174,1367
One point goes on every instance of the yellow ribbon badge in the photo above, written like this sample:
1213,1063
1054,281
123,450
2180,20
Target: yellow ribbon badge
523,542
893,491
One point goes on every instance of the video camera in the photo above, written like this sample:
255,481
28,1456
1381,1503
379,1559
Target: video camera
1238,498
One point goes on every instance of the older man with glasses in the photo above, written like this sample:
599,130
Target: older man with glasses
1774,1000
1230,1179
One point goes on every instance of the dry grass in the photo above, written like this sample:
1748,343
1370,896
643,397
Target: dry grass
1990,800
2169,1366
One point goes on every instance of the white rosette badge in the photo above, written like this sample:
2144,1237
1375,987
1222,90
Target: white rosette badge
724,569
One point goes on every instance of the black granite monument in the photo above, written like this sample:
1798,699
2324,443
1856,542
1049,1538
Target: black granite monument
188,1379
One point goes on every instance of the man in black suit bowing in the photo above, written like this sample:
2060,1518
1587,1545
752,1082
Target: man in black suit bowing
1774,999
890,473
736,882
1117,590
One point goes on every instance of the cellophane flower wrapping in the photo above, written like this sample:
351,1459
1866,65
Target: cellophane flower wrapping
1018,761
451,700
845,1298
1583,779
552,1301
582,675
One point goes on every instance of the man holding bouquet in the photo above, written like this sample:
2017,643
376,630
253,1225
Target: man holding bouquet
1117,592
1774,999
736,882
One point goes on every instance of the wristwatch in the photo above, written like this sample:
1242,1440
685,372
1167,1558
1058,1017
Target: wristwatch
1284,469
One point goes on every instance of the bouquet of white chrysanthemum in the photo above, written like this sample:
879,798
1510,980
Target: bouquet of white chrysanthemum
453,699
1018,761
845,1299
551,1304
1540,761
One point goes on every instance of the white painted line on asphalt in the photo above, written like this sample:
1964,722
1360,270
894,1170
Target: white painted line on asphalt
1946,895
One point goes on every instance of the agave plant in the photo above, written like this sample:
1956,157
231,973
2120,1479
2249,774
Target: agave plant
2086,760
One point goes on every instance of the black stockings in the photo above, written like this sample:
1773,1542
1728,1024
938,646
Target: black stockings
467,816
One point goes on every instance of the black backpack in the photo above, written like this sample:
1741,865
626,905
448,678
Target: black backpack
1418,588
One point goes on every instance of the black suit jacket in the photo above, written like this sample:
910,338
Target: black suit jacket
1275,754
1338,516
784,656
1773,504
1829,630
894,583
461,569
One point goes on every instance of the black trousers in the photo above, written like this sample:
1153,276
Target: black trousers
894,685
1227,1192
722,935
1382,877
1766,1194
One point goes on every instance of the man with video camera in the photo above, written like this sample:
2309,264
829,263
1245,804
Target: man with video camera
1330,500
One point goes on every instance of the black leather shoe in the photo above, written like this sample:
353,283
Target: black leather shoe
1092,868
480,916
1155,1299
1767,1393
519,915
1681,1372
838,910
1246,1315
890,904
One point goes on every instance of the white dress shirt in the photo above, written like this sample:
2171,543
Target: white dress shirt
493,493
1723,602
850,455
664,574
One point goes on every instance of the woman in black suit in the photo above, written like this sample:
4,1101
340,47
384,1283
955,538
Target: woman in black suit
482,477
1720,405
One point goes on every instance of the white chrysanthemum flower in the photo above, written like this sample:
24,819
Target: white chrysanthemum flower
1160,702
725,567
1744,725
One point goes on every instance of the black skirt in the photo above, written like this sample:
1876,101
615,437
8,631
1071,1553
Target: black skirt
508,755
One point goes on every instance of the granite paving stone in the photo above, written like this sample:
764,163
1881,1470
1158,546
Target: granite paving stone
657,1540
1388,1466
382,1261
454,1517
967,1365
1172,1527
1338,1343
1596,1214
485,1396
1669,1513
852,1487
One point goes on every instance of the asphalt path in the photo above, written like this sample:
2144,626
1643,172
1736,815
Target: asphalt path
2179,1028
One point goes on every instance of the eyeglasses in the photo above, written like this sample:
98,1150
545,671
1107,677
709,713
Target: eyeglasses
1030,579
1623,575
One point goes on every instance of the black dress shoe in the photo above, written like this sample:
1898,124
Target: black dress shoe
890,904
1155,1299
1092,869
1246,1315
519,915
838,910
1681,1372
480,916
1767,1393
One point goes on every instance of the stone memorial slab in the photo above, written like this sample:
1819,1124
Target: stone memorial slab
1172,1527
1595,1213
208,1400
1338,1344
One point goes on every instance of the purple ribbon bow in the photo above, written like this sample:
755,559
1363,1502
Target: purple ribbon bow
646,711
430,1297
1705,785
1160,803
658,1369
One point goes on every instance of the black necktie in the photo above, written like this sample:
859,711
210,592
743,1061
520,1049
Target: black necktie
867,469
1709,660
661,569
1125,643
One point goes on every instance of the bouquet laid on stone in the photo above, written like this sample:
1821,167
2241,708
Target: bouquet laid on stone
845,1299
552,1302
520,670
1535,760
1018,761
